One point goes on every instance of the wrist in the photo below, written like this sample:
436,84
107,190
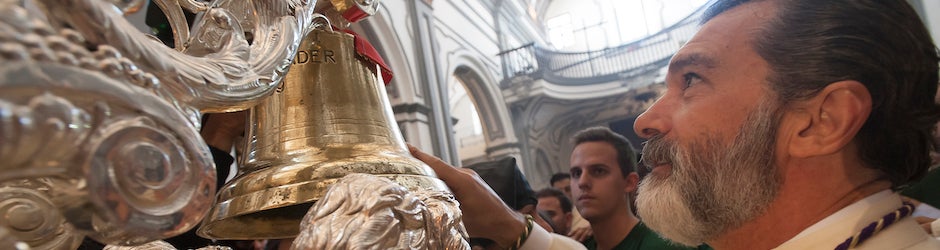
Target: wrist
517,231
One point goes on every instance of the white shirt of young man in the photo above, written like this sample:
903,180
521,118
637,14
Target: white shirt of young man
577,221
835,229
539,239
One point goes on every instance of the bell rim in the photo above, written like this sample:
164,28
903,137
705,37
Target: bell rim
213,225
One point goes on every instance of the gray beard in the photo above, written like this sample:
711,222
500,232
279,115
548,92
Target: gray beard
713,186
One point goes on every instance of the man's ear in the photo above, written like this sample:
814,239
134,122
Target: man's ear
826,122
633,179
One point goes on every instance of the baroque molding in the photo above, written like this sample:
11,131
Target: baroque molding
411,108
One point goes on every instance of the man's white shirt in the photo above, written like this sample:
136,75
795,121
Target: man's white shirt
835,229
539,239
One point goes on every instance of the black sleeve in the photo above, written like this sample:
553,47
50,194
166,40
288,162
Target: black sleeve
222,162
524,194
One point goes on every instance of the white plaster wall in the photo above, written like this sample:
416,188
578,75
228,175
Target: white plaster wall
396,38
932,18
465,27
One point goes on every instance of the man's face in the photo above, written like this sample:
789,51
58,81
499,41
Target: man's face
712,186
565,187
599,189
715,129
552,207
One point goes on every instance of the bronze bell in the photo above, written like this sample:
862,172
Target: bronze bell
330,118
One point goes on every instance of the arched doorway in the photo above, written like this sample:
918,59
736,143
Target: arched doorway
482,125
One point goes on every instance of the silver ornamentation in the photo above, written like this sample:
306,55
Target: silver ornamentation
31,216
43,133
153,245
214,70
159,245
115,125
445,230
135,169
362,211
8,241
214,248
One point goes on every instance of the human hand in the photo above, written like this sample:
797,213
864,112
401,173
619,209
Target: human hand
530,210
484,214
580,234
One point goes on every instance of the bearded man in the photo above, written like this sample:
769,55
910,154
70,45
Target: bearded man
786,124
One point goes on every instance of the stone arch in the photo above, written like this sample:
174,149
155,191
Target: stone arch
499,134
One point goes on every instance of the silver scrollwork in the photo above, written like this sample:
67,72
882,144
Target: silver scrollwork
216,69
153,245
142,173
43,133
362,211
31,215
137,169
8,241
159,245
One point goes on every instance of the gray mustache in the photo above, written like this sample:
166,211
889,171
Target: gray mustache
656,151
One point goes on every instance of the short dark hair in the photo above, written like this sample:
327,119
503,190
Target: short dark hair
880,43
557,194
559,177
626,155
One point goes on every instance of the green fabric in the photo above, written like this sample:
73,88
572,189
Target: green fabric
641,237
927,190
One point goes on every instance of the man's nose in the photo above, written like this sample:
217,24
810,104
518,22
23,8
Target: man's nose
584,182
654,121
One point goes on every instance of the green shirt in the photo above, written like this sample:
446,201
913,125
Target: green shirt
925,190
641,237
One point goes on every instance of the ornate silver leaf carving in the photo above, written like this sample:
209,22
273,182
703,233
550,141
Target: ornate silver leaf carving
31,215
215,69
43,133
363,211
136,169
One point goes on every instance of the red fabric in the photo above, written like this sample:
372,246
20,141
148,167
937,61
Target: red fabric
355,14
367,52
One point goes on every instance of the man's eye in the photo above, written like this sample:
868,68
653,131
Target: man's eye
598,171
690,79
576,173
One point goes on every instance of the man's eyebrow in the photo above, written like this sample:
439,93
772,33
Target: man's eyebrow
597,165
692,59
